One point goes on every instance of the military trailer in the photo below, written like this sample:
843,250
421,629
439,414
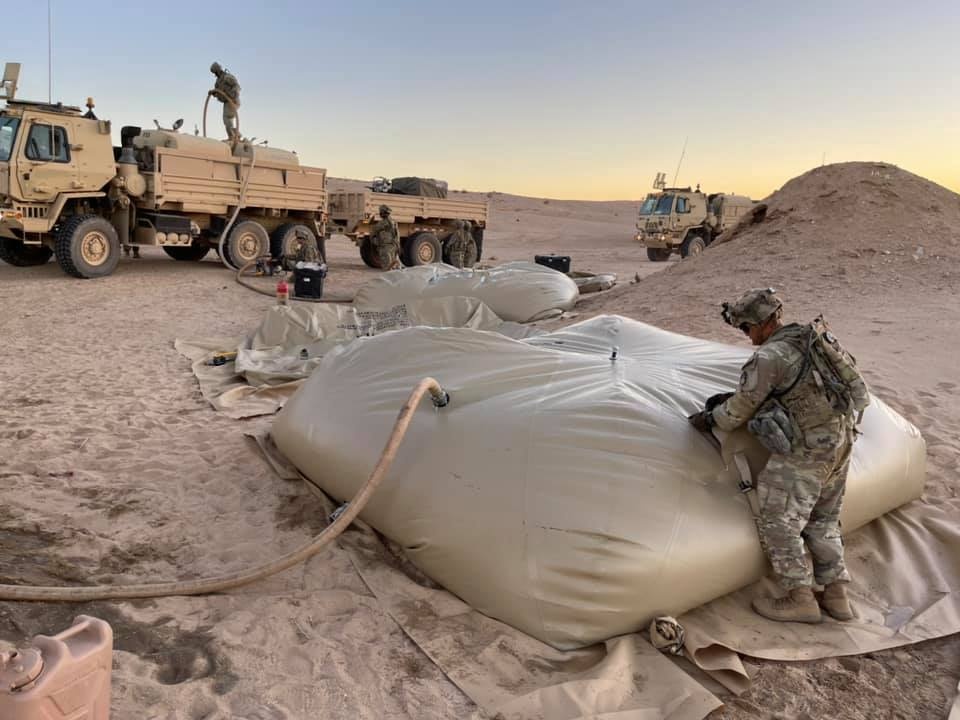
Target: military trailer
686,221
424,217
66,191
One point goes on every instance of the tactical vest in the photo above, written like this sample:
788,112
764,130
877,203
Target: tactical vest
805,398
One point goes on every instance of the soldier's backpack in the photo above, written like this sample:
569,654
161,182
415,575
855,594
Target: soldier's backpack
835,371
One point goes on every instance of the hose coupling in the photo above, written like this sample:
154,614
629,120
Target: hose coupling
440,397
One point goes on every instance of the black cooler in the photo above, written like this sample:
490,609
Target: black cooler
560,263
308,279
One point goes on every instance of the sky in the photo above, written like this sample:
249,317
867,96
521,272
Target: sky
563,99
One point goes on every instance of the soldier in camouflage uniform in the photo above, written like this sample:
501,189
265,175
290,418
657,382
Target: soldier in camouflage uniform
462,248
787,398
227,90
385,239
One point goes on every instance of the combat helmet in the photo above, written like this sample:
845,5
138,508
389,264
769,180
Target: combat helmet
752,308
384,210
216,69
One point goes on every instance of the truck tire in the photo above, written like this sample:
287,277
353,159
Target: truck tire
367,254
187,253
14,252
283,240
87,246
421,249
247,241
658,254
692,245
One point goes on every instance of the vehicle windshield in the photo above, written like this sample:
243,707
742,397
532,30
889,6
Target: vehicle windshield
648,205
8,132
664,203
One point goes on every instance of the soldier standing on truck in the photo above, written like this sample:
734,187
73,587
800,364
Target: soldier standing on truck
227,91
385,237
462,247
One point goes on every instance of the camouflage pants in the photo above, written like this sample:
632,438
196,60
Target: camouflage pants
229,119
386,251
463,254
800,500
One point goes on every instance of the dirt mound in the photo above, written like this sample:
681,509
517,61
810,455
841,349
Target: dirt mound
828,237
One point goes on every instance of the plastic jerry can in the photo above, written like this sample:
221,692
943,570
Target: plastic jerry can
64,677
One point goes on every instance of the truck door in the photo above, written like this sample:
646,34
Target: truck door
46,167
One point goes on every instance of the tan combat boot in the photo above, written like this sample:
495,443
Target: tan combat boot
834,601
799,605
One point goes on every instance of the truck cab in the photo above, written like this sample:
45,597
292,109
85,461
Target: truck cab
685,220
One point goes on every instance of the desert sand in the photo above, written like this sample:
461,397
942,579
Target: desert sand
114,469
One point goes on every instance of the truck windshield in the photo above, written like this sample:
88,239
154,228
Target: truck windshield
8,132
648,205
664,203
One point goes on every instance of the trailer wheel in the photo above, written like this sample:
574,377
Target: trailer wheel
14,252
187,253
421,249
286,238
658,254
367,254
693,245
87,246
247,241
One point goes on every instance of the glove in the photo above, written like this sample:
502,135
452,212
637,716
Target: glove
717,399
702,420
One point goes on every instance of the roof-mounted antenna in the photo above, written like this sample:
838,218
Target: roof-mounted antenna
11,75
49,52
682,153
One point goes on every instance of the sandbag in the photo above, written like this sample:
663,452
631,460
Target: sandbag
562,490
517,291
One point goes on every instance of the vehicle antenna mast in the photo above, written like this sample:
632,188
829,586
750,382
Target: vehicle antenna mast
680,162
49,51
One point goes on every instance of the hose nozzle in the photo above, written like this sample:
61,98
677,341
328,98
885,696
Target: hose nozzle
440,397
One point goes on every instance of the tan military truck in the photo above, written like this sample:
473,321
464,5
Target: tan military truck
425,223
685,220
66,191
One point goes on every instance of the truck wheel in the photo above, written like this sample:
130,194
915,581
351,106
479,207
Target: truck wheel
284,240
87,246
14,252
693,245
367,254
422,249
187,253
247,241
658,254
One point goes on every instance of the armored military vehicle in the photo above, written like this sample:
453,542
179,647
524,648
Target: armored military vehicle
424,214
686,220
67,192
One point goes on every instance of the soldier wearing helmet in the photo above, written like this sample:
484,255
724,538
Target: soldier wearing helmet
461,247
385,240
784,399
227,90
